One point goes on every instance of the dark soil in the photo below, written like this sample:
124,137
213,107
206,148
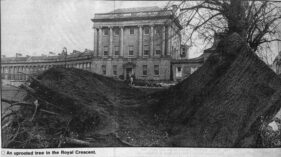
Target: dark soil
224,102
95,109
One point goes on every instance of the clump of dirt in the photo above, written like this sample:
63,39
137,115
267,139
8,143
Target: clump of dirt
73,107
220,105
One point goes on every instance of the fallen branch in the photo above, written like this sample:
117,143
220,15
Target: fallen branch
124,142
7,124
50,112
36,108
73,141
7,115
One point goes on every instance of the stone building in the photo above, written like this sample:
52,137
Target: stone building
17,69
139,41
145,42
276,66
182,68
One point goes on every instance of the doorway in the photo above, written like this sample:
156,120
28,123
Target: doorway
129,71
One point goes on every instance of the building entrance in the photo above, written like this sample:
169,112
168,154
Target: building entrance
129,72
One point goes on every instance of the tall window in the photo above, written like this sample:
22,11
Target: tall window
105,50
182,53
114,70
103,69
146,30
145,50
156,69
116,31
131,50
144,70
132,30
105,31
116,50
158,50
158,30
179,72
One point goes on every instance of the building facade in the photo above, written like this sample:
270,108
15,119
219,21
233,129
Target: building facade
18,69
144,42
138,41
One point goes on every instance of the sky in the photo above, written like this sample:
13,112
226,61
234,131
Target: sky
35,27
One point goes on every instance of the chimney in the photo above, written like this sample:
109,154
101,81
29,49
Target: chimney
174,8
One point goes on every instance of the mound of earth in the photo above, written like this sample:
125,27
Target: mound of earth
80,108
224,102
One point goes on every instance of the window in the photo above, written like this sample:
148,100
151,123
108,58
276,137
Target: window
146,30
131,30
105,31
158,50
144,70
179,72
158,30
183,54
116,50
105,51
145,50
156,69
103,69
116,32
131,50
114,70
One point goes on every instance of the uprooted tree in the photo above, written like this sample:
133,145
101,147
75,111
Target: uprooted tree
224,103
255,21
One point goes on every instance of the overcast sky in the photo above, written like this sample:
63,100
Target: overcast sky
35,27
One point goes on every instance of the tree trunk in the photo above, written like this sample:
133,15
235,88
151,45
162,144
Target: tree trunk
236,17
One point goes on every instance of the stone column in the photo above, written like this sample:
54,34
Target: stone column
140,40
121,40
13,72
4,73
16,72
163,40
169,40
100,42
96,41
110,41
151,40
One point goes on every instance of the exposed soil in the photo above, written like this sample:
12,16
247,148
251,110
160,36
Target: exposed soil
96,109
224,102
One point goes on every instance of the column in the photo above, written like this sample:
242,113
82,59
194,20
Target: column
95,41
110,41
100,42
163,40
121,40
151,40
13,73
169,40
5,73
140,40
